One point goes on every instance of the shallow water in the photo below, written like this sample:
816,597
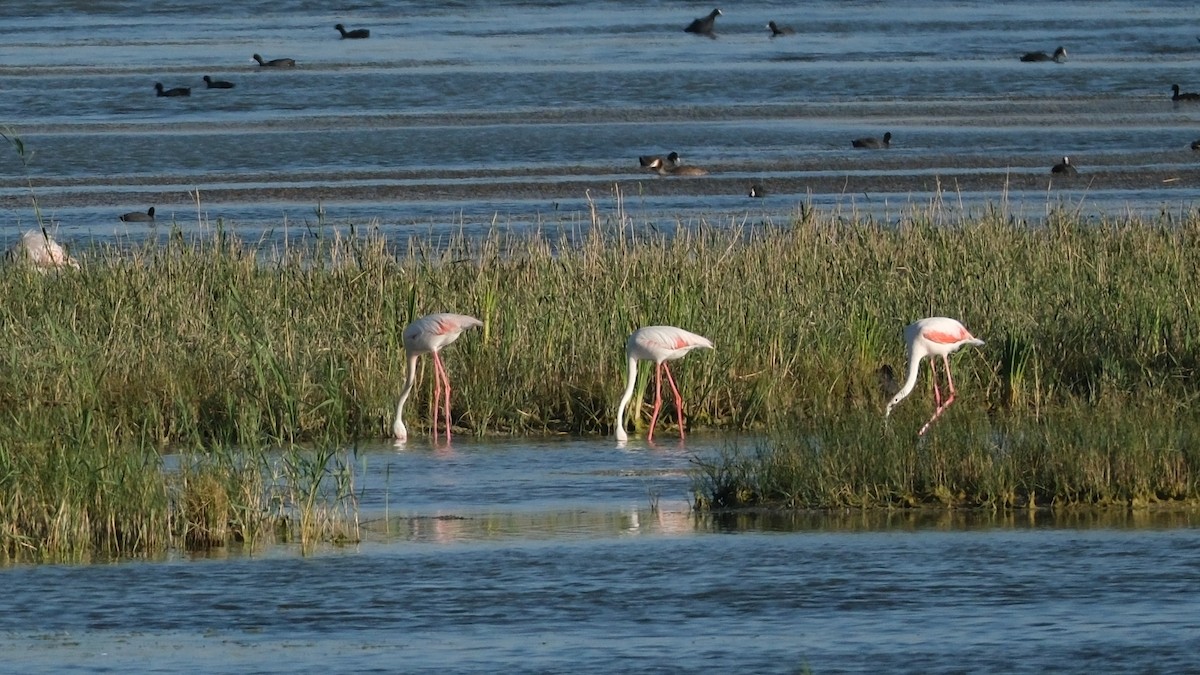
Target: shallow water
465,114
550,556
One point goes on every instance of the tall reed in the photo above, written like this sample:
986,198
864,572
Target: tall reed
1079,457
212,342
93,501
216,340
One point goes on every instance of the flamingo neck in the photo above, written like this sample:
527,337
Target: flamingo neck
625,398
398,429
915,356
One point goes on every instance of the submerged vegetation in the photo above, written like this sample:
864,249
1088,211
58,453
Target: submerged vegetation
1080,395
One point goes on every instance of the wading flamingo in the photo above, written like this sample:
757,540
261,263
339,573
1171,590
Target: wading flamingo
427,335
932,337
658,344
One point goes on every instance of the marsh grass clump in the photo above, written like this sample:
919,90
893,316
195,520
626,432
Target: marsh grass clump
314,498
205,513
211,342
74,503
87,504
1073,458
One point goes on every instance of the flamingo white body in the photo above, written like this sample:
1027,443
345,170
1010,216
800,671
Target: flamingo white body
658,344
427,335
38,249
932,337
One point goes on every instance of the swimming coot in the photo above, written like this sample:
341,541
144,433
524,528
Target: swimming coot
704,25
1177,95
138,216
873,143
174,91
217,84
1059,56
358,34
1064,168
777,30
275,63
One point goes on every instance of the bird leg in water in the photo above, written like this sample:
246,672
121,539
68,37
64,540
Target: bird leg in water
678,399
442,379
437,395
657,399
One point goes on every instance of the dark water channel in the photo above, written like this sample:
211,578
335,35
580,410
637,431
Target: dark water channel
576,556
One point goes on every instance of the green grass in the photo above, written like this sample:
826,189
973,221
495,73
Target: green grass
214,342
88,502
970,460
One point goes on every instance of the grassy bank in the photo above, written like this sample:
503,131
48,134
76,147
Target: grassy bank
213,342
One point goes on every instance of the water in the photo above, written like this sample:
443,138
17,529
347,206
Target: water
573,555
548,556
463,115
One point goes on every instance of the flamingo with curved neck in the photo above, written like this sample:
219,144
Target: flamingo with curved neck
428,335
658,344
932,337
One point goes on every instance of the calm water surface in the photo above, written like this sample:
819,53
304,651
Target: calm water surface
547,556
469,114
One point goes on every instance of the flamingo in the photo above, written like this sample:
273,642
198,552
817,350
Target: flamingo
37,248
658,344
932,337
427,335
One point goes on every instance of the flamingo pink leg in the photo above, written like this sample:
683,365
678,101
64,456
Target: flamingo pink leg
437,395
937,391
444,380
941,405
950,381
678,399
657,400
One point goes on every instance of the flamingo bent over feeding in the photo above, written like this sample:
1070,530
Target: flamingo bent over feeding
658,344
38,249
427,335
932,337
